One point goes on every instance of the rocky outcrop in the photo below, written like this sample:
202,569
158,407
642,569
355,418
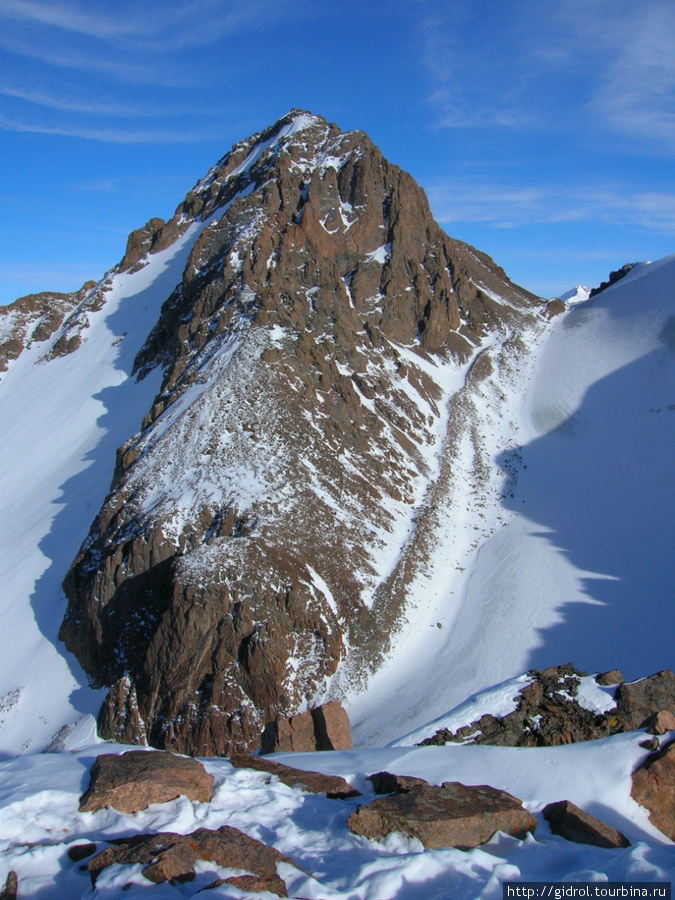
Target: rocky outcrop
572,823
325,727
132,781
10,887
615,276
243,543
653,786
548,713
333,786
171,857
638,701
452,815
36,318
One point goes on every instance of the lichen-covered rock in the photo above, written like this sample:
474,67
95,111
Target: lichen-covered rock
569,821
132,781
452,815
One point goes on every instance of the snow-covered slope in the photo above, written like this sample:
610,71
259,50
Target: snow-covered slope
579,565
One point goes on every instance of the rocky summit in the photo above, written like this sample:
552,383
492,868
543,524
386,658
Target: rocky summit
265,522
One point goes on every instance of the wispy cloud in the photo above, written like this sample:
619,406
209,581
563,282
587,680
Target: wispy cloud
114,135
94,106
155,26
605,67
467,200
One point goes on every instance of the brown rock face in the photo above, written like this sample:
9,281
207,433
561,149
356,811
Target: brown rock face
249,522
452,815
638,701
574,824
333,786
325,727
654,788
36,318
132,781
614,676
171,857
10,887
660,722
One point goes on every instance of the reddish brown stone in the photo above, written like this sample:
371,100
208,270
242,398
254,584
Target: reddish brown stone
254,883
573,824
331,727
171,857
638,701
333,786
654,788
452,815
78,852
387,783
609,678
132,781
660,722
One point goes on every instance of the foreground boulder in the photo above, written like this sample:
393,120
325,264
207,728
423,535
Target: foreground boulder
132,781
452,815
324,728
573,824
333,786
636,703
654,788
171,857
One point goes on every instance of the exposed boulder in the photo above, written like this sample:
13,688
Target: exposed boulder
387,783
171,857
660,722
637,701
274,884
452,815
573,824
333,786
78,852
607,679
325,727
133,780
654,788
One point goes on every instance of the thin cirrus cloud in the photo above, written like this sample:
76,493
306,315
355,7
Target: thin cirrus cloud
153,26
509,207
83,105
605,67
113,135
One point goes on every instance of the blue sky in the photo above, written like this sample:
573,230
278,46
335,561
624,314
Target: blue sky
543,132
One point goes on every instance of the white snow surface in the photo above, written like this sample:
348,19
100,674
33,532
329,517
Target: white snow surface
40,821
